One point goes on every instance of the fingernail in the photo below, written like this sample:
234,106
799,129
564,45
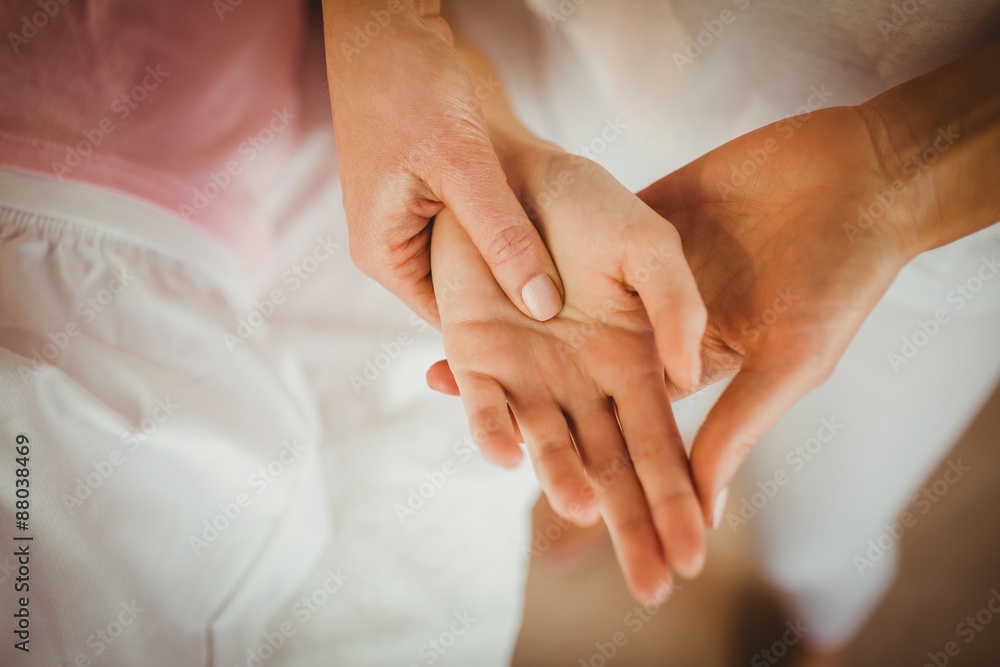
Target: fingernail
719,506
542,298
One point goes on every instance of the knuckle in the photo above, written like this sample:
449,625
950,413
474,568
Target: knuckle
551,451
510,243
489,422
666,502
637,526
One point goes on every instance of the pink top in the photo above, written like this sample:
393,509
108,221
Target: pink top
188,104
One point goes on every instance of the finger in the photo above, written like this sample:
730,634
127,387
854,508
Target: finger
441,379
661,463
404,268
476,190
489,418
663,279
418,297
622,502
756,398
555,460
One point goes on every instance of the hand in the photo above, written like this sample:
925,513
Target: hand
411,139
786,266
795,231
587,387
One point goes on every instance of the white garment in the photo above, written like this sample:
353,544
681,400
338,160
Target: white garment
158,539
386,540
645,86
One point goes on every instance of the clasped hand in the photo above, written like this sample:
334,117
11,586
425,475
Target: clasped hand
587,388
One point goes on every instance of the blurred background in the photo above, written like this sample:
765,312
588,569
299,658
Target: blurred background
577,601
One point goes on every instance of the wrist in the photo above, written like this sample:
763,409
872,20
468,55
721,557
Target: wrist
937,142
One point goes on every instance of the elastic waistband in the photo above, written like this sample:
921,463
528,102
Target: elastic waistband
36,198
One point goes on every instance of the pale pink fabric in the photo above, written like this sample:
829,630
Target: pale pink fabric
187,104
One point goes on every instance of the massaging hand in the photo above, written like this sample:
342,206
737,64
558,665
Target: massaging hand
586,387
788,266
411,139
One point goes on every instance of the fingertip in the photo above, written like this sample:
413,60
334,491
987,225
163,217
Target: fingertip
690,563
653,590
679,342
507,455
440,378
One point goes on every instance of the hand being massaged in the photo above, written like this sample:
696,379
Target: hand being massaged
586,387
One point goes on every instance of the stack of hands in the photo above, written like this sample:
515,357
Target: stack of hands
572,321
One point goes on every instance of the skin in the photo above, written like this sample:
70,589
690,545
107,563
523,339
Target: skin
792,228
414,142
795,225
599,438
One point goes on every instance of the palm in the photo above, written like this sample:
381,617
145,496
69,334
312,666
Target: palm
787,273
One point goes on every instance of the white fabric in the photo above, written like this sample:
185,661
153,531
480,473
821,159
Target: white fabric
144,425
389,587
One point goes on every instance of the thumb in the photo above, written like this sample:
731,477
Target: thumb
485,206
753,402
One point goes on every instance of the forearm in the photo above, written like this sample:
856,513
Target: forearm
938,137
